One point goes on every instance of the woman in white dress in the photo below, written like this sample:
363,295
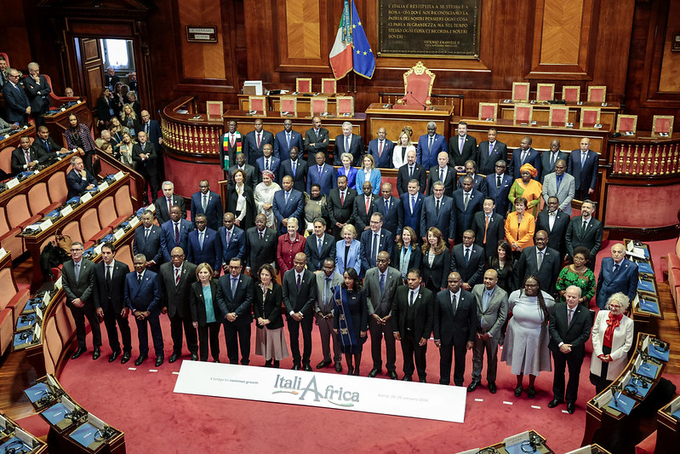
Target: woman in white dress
402,147
264,197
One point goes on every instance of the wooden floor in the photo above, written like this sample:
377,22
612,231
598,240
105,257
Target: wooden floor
669,328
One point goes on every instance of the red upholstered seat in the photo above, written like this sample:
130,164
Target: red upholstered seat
124,202
57,188
418,83
57,100
66,325
8,236
124,254
39,200
6,330
18,214
647,446
673,262
107,213
11,297
90,228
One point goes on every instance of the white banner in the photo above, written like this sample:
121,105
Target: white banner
371,395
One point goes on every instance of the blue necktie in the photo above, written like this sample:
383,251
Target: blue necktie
382,283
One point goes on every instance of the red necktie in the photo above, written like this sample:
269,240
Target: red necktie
380,149
258,140
368,203
176,276
176,235
342,198
231,141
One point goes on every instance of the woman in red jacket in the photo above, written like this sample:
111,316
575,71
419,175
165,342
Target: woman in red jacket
289,244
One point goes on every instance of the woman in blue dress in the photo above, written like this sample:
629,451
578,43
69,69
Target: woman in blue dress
351,319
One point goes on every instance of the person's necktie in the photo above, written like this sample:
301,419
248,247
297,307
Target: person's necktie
27,153
441,174
485,300
454,303
552,160
200,239
410,172
491,144
342,198
76,270
316,131
299,281
374,249
616,267
146,127
346,144
583,159
466,201
461,144
259,139
205,202
387,206
539,260
498,181
382,283
467,255
571,314
583,227
486,227
558,181
146,233
429,144
413,297
228,237
320,169
169,205
380,148
261,235
108,276
266,164
139,278
288,139
232,140
368,203
176,234
319,244
438,206
176,276
287,197
292,167
234,283
47,145
413,204
327,292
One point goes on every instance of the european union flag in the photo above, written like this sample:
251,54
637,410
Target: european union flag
364,60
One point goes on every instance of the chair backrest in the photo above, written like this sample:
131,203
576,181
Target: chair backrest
58,100
9,288
107,211
89,224
65,323
123,201
17,210
4,226
53,340
56,186
73,231
38,199
124,254
418,83
6,159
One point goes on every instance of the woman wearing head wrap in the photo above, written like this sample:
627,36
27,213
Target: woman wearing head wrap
528,188
264,197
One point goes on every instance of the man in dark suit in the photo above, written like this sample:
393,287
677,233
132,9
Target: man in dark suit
285,140
208,203
462,148
296,168
478,181
260,245
584,231
381,285
411,171
164,204
374,241
46,145
109,301
468,260
288,203
340,205
582,165
176,278
617,274
466,202
268,162
540,261
444,173
78,284
489,228
174,233
489,152
411,207
25,157
255,141
37,89
316,139
492,312
235,293
555,222
569,328
319,246
498,186
232,240
429,147
348,142
412,312
147,241
17,104
152,129
455,323
437,212
230,146
363,208
204,245
522,155
144,157
381,150
390,207
299,294
550,158
143,297
252,176
78,179
322,174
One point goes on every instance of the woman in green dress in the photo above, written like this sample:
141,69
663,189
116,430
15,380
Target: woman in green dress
578,274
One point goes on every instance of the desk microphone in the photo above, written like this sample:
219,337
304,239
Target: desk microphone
417,100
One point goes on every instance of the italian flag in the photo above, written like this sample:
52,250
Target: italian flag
341,53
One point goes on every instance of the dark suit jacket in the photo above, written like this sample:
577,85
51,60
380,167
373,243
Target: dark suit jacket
239,303
162,213
455,328
546,168
16,102
449,180
424,308
151,247
392,219
556,236
37,94
111,298
274,165
42,150
411,219
153,132
293,208
168,237
478,183
83,288
464,216
494,232
384,161
232,202
625,280
145,296
197,302
299,300
300,178
211,251
260,252
231,150
250,148
338,212
76,185
591,238
314,257
473,272
385,244
19,158
360,218
213,212
320,142
586,177
445,222
428,156
176,297
281,148
577,333
327,180
435,277
528,266
148,165
270,307
469,151
486,165
516,162
414,262
236,246
419,174
500,195
356,149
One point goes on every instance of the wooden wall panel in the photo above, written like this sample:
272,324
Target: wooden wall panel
303,29
202,60
669,80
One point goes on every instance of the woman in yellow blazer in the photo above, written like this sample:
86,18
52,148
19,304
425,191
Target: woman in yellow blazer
519,227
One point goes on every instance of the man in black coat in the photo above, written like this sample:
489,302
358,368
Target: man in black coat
319,246
361,216
489,228
37,89
46,145
569,328
144,156
555,222
299,295
235,293
109,301
540,261
165,203
148,241
467,259
261,244
411,171
585,231
466,202
340,205
390,207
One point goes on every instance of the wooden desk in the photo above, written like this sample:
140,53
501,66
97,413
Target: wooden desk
304,102
541,111
394,118
43,175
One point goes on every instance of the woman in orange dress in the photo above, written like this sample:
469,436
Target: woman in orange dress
528,188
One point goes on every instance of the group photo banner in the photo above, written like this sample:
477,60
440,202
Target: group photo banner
369,395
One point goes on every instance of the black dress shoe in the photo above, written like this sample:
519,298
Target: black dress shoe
518,391
96,353
407,378
194,357
77,353
323,364
217,360
173,358
554,403
393,375
492,388
374,372
472,386
125,358
268,363
422,380
531,393
113,356
307,367
295,367
140,360
571,408
159,361
338,367
276,364
350,370
356,372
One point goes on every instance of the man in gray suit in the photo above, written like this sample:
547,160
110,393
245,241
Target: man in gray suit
78,284
492,311
561,185
381,284
324,308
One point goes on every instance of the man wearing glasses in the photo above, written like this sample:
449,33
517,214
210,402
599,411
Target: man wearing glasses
18,106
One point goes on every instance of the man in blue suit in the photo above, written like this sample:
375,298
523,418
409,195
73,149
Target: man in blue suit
322,174
429,146
583,167
18,106
143,297
489,152
255,141
208,203
268,161
466,202
296,168
234,298
390,207
381,150
348,142
285,140
498,186
288,202
232,241
175,233
78,179
204,245
148,241
438,212
374,241
617,274
522,155
411,206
